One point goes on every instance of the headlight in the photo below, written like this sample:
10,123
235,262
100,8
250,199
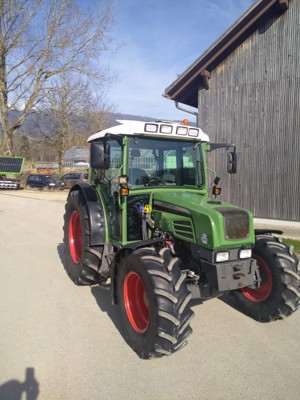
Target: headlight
123,180
247,253
222,256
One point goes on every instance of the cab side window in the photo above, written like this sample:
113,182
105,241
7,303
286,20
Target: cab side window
111,174
110,187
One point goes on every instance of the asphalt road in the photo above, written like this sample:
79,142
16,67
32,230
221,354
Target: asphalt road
59,341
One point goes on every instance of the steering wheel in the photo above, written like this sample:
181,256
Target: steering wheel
154,181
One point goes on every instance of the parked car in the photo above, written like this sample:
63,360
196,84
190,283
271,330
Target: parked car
40,181
68,180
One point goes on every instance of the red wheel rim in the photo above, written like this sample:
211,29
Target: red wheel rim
263,292
75,237
136,302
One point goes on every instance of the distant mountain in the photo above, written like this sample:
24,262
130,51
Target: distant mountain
112,121
36,124
116,116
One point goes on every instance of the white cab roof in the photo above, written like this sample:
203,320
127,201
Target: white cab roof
153,129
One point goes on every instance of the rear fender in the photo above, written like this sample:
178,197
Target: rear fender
95,213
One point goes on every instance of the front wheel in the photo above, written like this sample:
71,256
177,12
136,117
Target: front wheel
153,302
278,295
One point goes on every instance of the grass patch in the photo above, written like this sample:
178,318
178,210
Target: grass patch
293,242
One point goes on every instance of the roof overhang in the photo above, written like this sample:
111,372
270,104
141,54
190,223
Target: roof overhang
185,88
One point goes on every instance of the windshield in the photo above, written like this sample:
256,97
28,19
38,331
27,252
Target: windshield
161,162
48,178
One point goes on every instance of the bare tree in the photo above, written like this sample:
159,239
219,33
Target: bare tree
98,113
22,145
43,39
41,150
71,108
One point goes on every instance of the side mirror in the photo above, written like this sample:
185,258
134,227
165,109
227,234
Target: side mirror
231,162
100,155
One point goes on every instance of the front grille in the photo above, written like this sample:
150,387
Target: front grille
236,223
183,228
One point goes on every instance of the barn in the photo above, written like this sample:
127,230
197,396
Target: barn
246,89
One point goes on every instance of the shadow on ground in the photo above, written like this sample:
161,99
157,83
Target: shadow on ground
226,298
103,298
229,300
14,389
102,295
61,253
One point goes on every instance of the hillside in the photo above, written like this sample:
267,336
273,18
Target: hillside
36,123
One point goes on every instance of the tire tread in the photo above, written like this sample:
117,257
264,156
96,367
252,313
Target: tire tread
170,296
284,297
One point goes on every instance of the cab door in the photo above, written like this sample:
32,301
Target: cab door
109,186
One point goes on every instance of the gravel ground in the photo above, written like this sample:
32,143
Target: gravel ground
49,195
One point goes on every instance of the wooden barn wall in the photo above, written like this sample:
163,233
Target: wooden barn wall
253,101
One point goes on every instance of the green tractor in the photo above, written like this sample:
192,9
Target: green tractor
145,225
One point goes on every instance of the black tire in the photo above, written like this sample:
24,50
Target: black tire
278,296
82,262
153,302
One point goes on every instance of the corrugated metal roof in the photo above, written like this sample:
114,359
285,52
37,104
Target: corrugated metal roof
185,88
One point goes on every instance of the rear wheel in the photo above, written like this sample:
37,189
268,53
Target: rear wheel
153,302
278,295
82,262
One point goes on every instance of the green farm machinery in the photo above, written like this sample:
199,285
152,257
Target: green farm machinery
146,225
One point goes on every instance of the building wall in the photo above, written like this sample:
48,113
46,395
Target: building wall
254,102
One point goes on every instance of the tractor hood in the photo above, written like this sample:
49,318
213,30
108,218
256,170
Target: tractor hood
198,219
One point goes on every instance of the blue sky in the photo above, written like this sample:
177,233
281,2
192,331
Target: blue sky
161,38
